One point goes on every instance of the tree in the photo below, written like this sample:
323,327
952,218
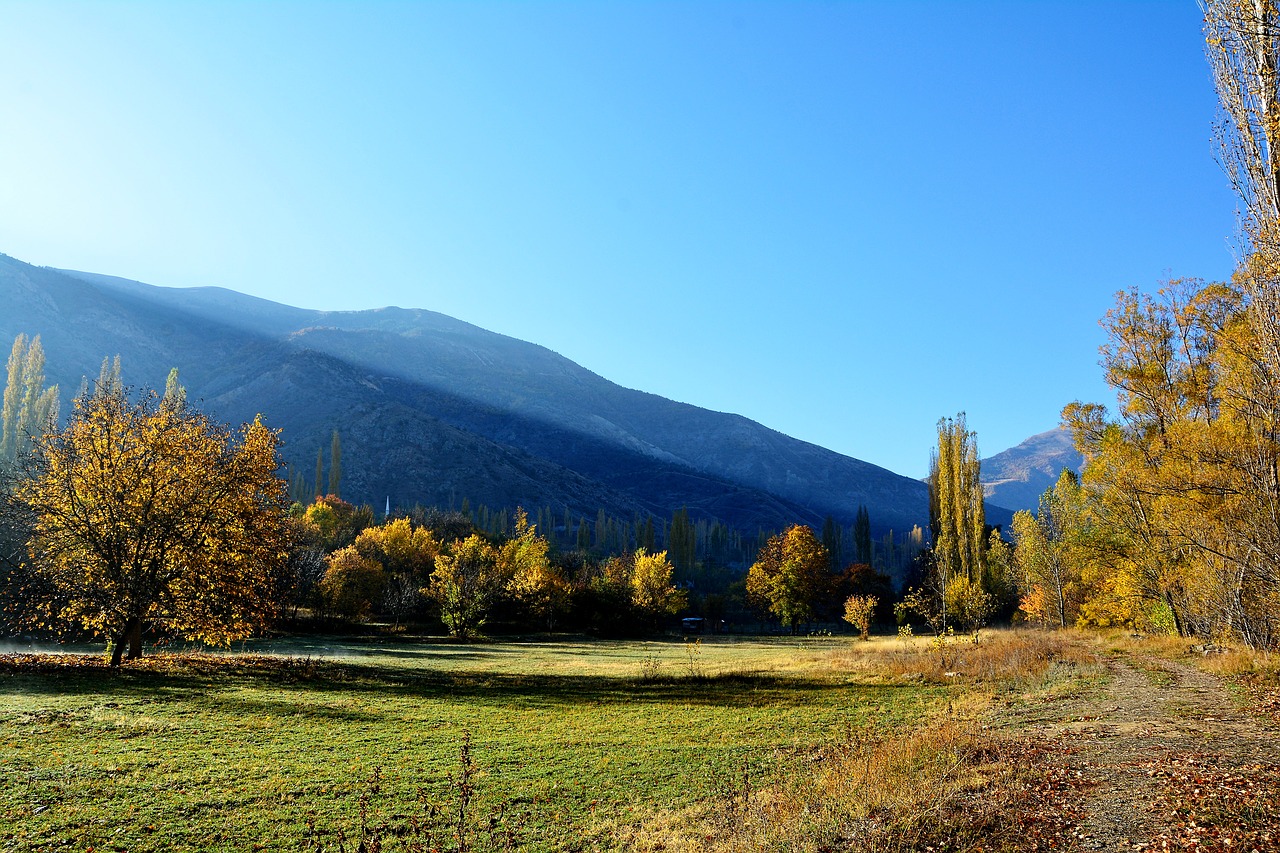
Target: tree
862,536
400,547
790,576
535,583
146,514
858,610
956,517
682,541
957,513
335,466
653,592
1183,483
465,583
1242,42
1047,552
352,584
336,523
30,409
174,394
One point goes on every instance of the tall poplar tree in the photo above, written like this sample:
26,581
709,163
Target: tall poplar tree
862,536
335,466
319,472
957,512
30,410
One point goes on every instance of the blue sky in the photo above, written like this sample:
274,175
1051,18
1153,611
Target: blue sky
843,220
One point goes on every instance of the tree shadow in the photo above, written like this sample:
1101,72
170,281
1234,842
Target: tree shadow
183,677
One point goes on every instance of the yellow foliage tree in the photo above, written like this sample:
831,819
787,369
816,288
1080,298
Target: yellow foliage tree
1185,479
534,582
147,513
466,580
400,547
652,590
858,610
352,584
790,575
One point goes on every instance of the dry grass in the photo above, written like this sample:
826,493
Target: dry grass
948,784
1017,656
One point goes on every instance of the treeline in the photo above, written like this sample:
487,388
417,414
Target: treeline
410,569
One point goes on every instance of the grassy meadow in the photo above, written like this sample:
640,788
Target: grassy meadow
588,744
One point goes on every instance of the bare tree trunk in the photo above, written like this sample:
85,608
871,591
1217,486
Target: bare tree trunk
135,640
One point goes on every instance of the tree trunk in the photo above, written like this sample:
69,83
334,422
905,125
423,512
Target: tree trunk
117,648
135,640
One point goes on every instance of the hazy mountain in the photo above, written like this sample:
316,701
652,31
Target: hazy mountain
1015,478
431,409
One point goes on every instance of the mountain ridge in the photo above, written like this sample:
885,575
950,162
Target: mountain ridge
535,427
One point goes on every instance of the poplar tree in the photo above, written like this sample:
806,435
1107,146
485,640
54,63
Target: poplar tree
957,513
862,535
30,410
335,466
1242,42
320,472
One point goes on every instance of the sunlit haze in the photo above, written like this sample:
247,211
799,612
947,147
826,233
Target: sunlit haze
843,220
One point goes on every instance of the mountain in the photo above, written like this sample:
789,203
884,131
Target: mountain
432,409
1015,478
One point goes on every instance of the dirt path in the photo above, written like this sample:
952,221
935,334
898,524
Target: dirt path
1127,747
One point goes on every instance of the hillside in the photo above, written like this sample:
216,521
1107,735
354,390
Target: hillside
432,409
1015,478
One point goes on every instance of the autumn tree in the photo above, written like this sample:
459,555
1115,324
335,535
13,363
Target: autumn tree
30,409
957,514
789,576
353,584
466,581
957,522
336,522
534,582
653,591
152,515
1048,552
1184,478
858,611
400,547
1242,42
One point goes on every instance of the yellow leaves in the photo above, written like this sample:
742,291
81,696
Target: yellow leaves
353,583
789,574
652,589
145,511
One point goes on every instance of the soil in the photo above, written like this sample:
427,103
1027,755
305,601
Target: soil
1166,756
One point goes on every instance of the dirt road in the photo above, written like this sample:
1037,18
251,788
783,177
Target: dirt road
1167,757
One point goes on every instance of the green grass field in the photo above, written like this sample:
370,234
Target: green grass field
233,752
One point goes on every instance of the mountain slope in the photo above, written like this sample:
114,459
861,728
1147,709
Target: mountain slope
432,409
1015,478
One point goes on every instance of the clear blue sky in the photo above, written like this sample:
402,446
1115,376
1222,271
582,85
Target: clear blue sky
843,220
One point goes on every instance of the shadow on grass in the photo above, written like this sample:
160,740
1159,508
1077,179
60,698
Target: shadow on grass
184,677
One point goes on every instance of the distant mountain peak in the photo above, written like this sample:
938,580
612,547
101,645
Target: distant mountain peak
1015,478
